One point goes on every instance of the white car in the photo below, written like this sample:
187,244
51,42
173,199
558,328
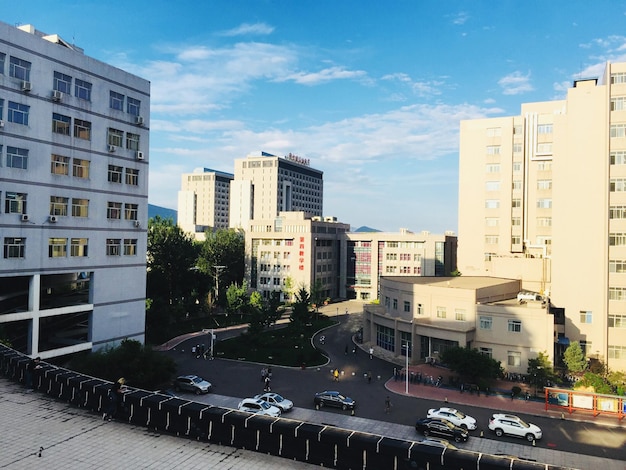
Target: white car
514,426
456,417
277,400
258,406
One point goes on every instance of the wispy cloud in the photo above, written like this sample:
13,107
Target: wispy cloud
460,18
323,76
419,88
248,29
515,83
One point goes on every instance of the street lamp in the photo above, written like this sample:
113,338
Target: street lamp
406,369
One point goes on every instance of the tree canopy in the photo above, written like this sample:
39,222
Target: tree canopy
574,358
471,364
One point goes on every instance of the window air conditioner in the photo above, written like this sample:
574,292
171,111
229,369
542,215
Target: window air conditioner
137,224
26,86
139,155
111,148
1,124
25,217
139,120
52,218
57,95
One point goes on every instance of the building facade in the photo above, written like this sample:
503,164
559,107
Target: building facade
265,185
74,144
543,200
203,201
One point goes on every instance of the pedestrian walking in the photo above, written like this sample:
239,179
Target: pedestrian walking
371,352
115,397
336,375
369,377
387,404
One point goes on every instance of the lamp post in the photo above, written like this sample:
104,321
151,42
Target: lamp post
406,368
537,380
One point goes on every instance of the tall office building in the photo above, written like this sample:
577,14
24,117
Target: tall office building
543,200
203,201
266,185
74,191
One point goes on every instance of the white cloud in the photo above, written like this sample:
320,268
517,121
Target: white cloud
323,76
247,28
515,83
460,18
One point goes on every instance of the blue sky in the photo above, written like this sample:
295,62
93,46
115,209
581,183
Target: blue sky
372,92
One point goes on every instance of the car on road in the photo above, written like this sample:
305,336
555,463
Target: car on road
333,398
512,425
258,406
456,417
277,400
441,427
192,383
437,442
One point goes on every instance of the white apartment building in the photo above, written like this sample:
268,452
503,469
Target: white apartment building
265,185
203,201
74,144
542,199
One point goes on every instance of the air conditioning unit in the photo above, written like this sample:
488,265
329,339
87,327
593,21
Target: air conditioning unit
57,95
1,124
137,224
26,86
139,155
25,217
111,148
139,120
52,218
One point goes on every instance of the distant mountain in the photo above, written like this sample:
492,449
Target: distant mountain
163,212
365,228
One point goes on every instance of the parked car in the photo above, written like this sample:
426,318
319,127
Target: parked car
512,425
192,383
333,398
258,406
441,427
436,442
277,400
456,417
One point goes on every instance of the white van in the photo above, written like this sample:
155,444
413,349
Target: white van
525,296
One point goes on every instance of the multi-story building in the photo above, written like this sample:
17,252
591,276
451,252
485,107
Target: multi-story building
203,201
74,191
371,255
266,185
543,200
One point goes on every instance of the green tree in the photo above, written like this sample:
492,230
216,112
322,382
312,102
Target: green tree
540,370
237,299
300,312
471,364
317,293
222,247
574,358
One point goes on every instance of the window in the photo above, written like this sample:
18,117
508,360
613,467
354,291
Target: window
115,137
132,176
617,239
617,103
79,247
82,129
61,124
391,256
395,304
544,166
493,168
544,129
617,158
407,306
18,113
491,239
617,321
516,203
14,247
492,204
618,130
459,314
80,207
488,256
17,158
420,309
62,83
514,358
485,323
517,185
82,90
492,222
115,174
80,168
486,352
617,293
59,165
19,68
15,203
514,326
441,312
616,352
133,106
544,203
113,247
516,221
586,316
116,101
617,212
58,205
57,247
494,131
2,58
492,186
618,78
544,148
544,184
516,240
517,167
517,147
1,108
130,213
493,150
518,129
132,141
114,210
130,249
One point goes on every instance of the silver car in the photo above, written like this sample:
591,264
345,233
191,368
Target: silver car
514,426
277,400
258,406
192,383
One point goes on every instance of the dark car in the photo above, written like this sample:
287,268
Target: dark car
440,427
332,398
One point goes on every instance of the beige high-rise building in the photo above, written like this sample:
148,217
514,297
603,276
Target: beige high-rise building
542,199
203,201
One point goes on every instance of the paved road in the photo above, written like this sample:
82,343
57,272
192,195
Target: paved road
234,380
